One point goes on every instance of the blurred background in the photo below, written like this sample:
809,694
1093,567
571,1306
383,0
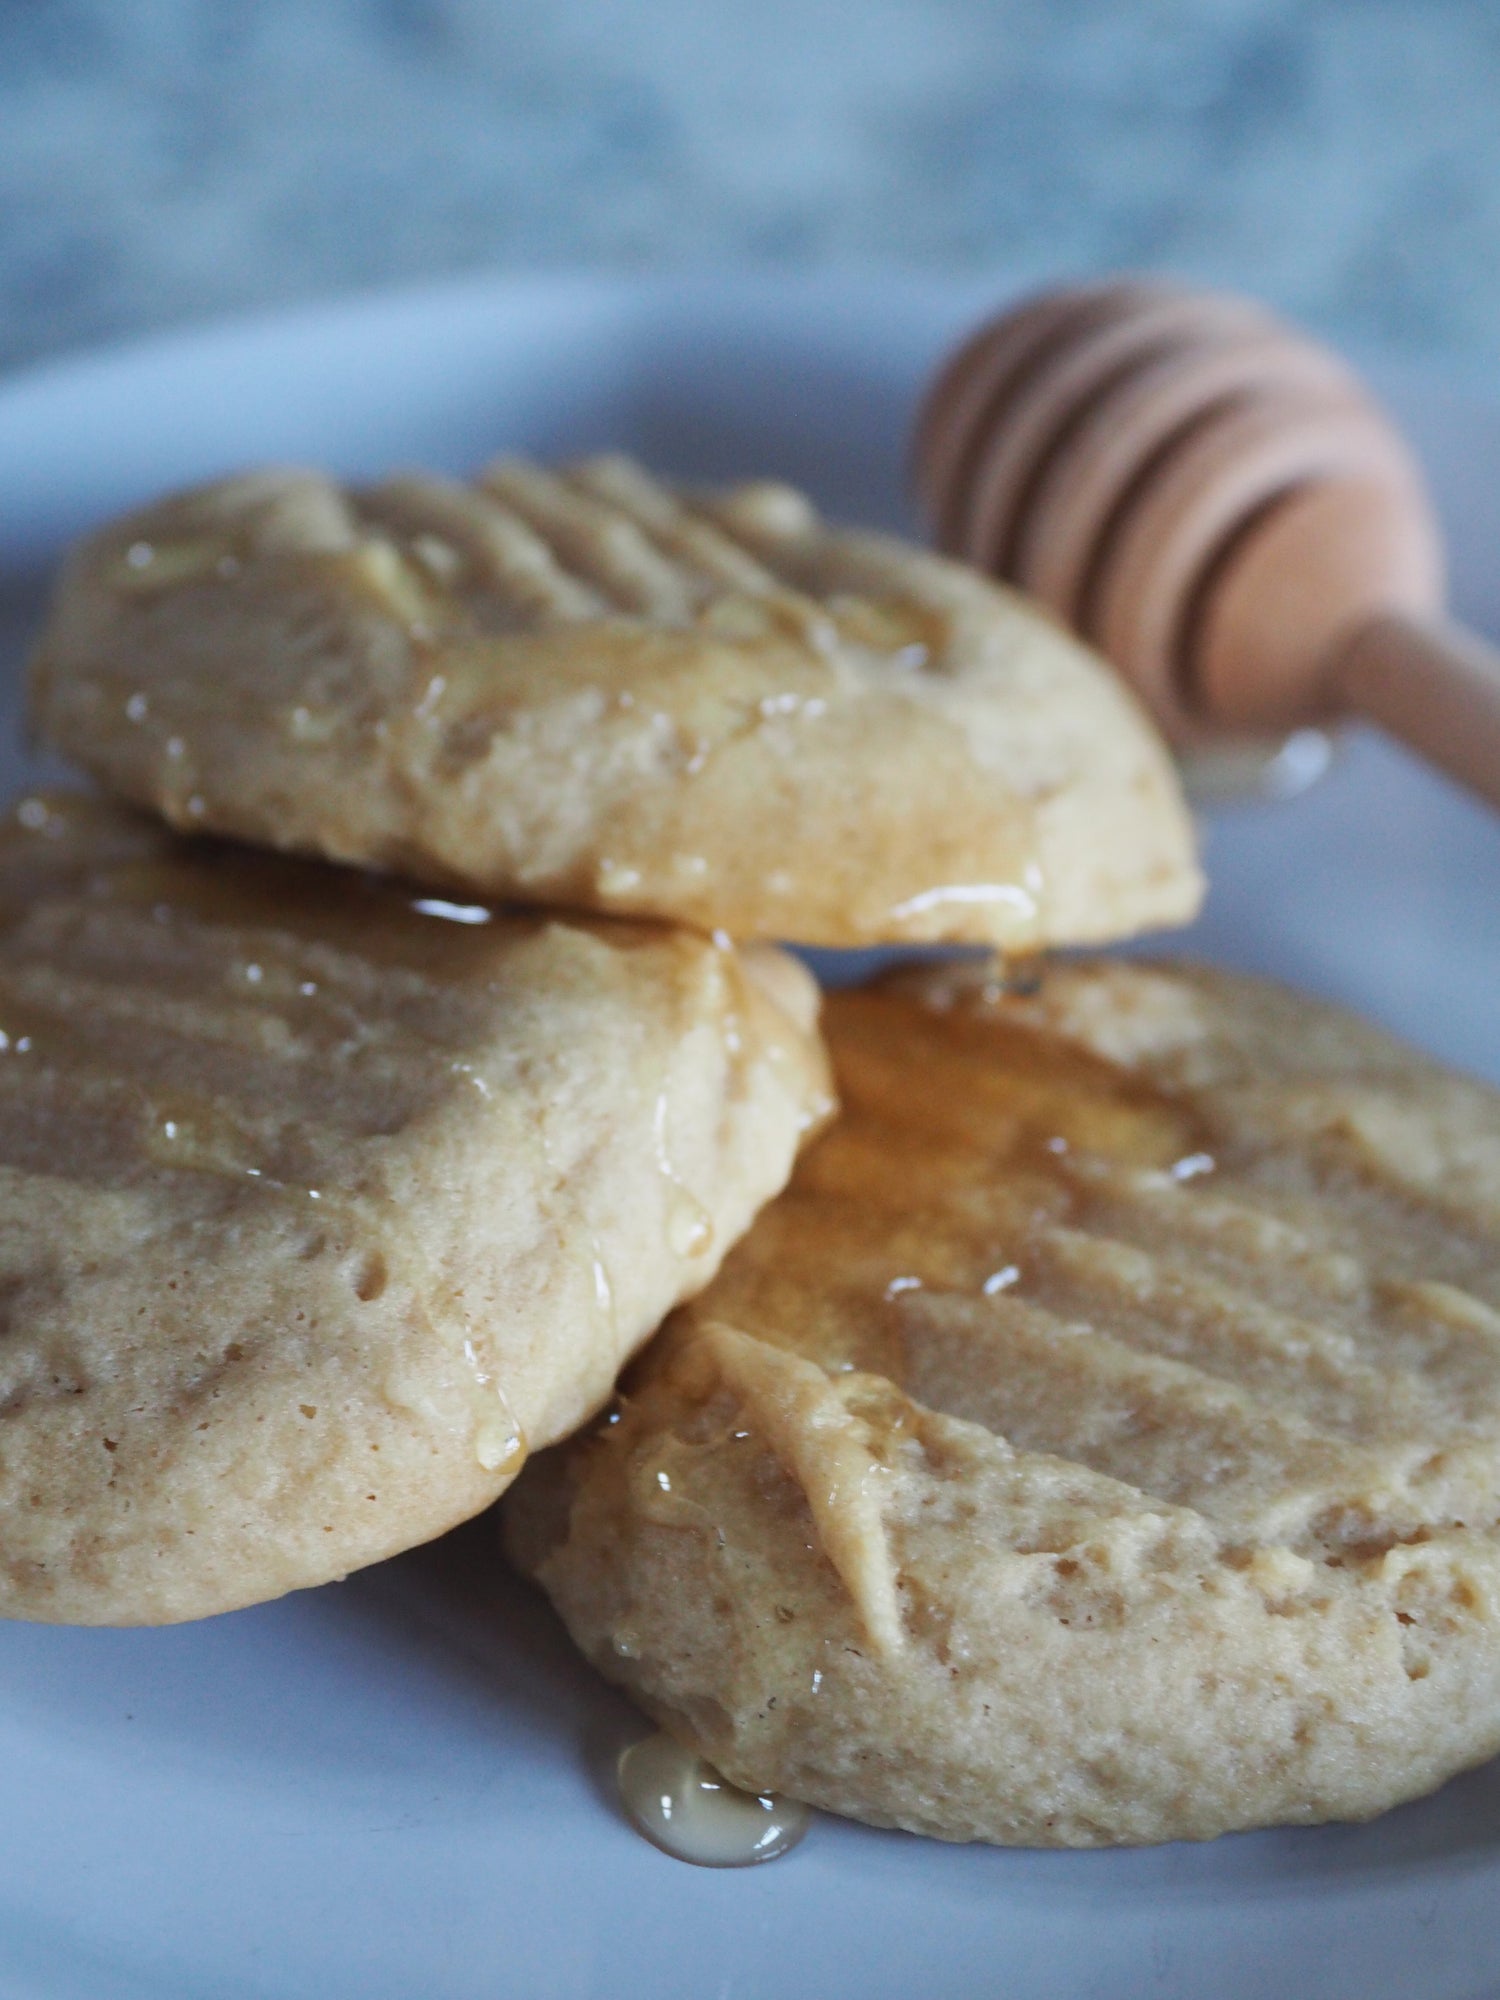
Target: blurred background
163,161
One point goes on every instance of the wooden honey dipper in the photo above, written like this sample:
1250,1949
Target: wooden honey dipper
1218,505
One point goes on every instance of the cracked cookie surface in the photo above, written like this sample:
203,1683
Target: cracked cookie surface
1098,1442
587,688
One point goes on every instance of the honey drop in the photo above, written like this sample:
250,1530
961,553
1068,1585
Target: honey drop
685,1808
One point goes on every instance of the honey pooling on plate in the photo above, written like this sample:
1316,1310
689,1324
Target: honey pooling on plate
684,1807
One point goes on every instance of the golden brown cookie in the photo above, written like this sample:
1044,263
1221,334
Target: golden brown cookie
1099,1441
586,688
324,1199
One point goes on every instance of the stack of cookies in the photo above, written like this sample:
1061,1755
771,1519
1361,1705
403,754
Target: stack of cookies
1099,1440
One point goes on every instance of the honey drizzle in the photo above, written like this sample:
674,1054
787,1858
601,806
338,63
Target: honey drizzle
1023,1234
961,1135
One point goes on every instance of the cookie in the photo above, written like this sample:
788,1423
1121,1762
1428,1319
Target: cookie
1098,1442
585,688
324,1199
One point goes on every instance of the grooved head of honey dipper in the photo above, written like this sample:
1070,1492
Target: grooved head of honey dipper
1255,539
980,377
1207,495
1304,577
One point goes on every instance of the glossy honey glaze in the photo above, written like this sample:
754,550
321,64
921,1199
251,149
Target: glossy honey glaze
964,1137
1221,1269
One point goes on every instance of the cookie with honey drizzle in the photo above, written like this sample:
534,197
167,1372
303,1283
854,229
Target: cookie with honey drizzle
585,688
324,1200
1098,1442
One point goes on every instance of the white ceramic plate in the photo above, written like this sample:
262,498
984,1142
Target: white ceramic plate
400,1786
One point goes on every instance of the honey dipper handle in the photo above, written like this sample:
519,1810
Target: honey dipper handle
1434,685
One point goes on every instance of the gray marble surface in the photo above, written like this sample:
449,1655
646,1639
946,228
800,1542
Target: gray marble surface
168,160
